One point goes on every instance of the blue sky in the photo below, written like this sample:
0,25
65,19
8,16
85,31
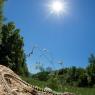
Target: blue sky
70,37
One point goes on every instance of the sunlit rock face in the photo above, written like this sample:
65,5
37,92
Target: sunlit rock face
12,84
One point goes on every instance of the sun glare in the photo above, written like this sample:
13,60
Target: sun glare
57,7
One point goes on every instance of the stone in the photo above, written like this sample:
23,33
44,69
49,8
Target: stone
12,84
48,89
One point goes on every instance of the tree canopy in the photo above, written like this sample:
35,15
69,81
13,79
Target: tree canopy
11,50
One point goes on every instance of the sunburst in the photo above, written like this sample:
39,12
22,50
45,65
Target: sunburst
57,7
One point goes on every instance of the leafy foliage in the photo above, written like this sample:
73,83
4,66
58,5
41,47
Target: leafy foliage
91,70
42,76
11,50
73,76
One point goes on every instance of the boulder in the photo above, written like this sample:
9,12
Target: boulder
12,84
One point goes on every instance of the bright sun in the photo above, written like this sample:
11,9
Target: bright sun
57,7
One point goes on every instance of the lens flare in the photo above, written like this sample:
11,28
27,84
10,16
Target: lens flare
57,7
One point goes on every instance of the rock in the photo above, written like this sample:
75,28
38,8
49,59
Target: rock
48,89
12,84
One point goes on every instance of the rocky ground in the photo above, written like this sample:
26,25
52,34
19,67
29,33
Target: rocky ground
12,84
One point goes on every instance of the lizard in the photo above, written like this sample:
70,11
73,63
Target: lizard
12,84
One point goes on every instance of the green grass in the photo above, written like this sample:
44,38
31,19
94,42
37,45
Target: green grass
34,82
76,90
80,91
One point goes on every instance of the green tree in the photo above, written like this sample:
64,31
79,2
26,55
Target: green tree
83,81
11,50
1,18
91,66
91,70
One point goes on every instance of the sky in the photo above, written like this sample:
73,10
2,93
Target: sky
69,37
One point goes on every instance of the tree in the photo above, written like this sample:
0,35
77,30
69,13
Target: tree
11,46
1,18
91,66
91,69
11,50
83,81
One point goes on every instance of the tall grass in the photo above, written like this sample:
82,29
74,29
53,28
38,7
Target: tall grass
76,90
